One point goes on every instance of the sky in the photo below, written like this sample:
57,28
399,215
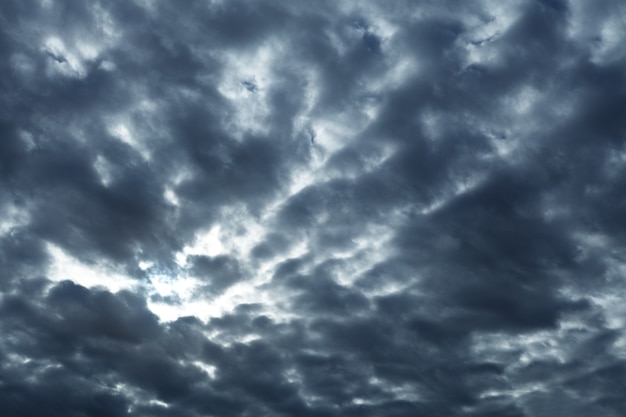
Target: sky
312,208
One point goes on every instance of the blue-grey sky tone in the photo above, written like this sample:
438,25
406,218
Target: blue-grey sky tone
312,208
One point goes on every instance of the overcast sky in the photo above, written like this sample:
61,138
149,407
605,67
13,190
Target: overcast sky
312,208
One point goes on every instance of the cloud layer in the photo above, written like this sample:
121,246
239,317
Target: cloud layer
328,208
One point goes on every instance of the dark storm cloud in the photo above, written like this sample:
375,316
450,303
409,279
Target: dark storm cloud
417,208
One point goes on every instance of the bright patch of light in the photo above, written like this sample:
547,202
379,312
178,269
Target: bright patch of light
479,41
363,401
12,217
148,5
207,243
65,267
190,305
613,33
403,69
535,347
247,84
310,94
159,403
517,392
171,312
143,265
173,286
14,358
239,231
600,29
182,290
170,189
62,61
170,197
209,369
107,66
333,135
614,306
87,50
459,188
104,170
371,161
369,249
300,179
123,132
109,33
252,290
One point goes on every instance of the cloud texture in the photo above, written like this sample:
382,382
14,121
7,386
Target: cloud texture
330,208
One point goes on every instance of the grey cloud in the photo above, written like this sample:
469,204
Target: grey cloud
414,208
220,272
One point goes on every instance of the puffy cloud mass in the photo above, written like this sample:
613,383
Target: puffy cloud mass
296,208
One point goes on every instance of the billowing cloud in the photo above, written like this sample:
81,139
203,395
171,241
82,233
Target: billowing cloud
334,208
